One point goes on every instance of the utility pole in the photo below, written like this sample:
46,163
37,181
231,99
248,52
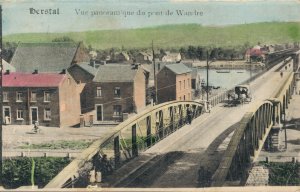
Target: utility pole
207,66
154,73
1,105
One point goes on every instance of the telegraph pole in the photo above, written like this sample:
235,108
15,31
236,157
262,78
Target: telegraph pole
207,66
154,73
1,96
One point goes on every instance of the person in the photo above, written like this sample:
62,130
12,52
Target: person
36,126
208,106
189,115
281,74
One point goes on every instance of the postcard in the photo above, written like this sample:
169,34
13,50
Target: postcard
170,95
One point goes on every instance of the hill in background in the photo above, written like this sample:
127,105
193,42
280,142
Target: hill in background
175,36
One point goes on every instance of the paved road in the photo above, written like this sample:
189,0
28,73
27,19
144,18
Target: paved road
203,142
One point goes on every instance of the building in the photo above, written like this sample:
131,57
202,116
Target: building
171,57
48,57
143,58
51,99
174,83
115,90
122,57
84,73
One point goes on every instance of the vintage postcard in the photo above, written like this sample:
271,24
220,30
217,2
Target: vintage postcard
170,95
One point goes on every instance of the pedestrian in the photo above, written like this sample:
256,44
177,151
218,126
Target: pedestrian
281,74
189,115
208,106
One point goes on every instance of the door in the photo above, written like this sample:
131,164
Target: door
99,112
34,114
6,115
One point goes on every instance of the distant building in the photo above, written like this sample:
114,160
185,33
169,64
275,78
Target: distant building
144,58
51,99
255,54
174,83
115,90
48,57
122,57
171,57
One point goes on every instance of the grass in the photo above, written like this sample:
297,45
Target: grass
175,36
80,144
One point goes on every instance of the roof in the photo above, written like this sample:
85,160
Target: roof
115,73
32,80
178,68
87,67
45,57
7,66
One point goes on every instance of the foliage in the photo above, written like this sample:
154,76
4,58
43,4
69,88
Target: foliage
63,39
282,174
8,49
176,36
80,144
17,172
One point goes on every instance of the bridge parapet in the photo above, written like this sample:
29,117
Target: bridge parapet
126,140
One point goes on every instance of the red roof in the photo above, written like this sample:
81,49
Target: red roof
32,80
254,52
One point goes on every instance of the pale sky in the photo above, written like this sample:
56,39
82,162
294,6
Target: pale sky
16,17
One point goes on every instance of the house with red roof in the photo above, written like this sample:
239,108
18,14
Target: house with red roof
52,99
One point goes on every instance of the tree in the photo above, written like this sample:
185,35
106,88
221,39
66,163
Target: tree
63,39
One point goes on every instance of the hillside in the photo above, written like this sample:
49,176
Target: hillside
174,36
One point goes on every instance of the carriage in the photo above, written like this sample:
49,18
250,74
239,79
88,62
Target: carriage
240,95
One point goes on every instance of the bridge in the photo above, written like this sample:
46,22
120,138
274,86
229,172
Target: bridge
157,145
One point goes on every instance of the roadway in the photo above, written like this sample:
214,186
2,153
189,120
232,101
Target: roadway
203,142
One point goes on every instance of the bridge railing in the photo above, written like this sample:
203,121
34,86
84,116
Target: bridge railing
248,140
129,138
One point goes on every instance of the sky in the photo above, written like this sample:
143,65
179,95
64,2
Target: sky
17,17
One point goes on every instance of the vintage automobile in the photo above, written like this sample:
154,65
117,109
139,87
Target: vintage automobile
240,95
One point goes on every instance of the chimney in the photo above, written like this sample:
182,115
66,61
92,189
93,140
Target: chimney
92,63
7,72
63,71
35,71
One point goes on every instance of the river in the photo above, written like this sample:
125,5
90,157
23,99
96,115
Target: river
226,79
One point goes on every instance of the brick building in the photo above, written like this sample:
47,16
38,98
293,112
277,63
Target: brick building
52,99
117,89
174,83
48,57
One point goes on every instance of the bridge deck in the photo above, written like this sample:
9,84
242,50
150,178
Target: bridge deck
203,142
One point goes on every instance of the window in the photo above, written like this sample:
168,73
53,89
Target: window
33,96
46,96
5,96
20,115
117,92
117,110
19,96
47,114
99,92
184,84
189,83
184,97
179,85
179,98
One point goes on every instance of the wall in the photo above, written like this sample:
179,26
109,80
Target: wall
140,90
108,99
166,85
183,91
40,104
69,97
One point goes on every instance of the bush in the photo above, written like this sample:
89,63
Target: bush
17,172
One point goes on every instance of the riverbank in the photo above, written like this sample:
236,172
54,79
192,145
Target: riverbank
240,64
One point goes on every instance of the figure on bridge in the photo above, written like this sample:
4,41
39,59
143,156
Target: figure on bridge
189,115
